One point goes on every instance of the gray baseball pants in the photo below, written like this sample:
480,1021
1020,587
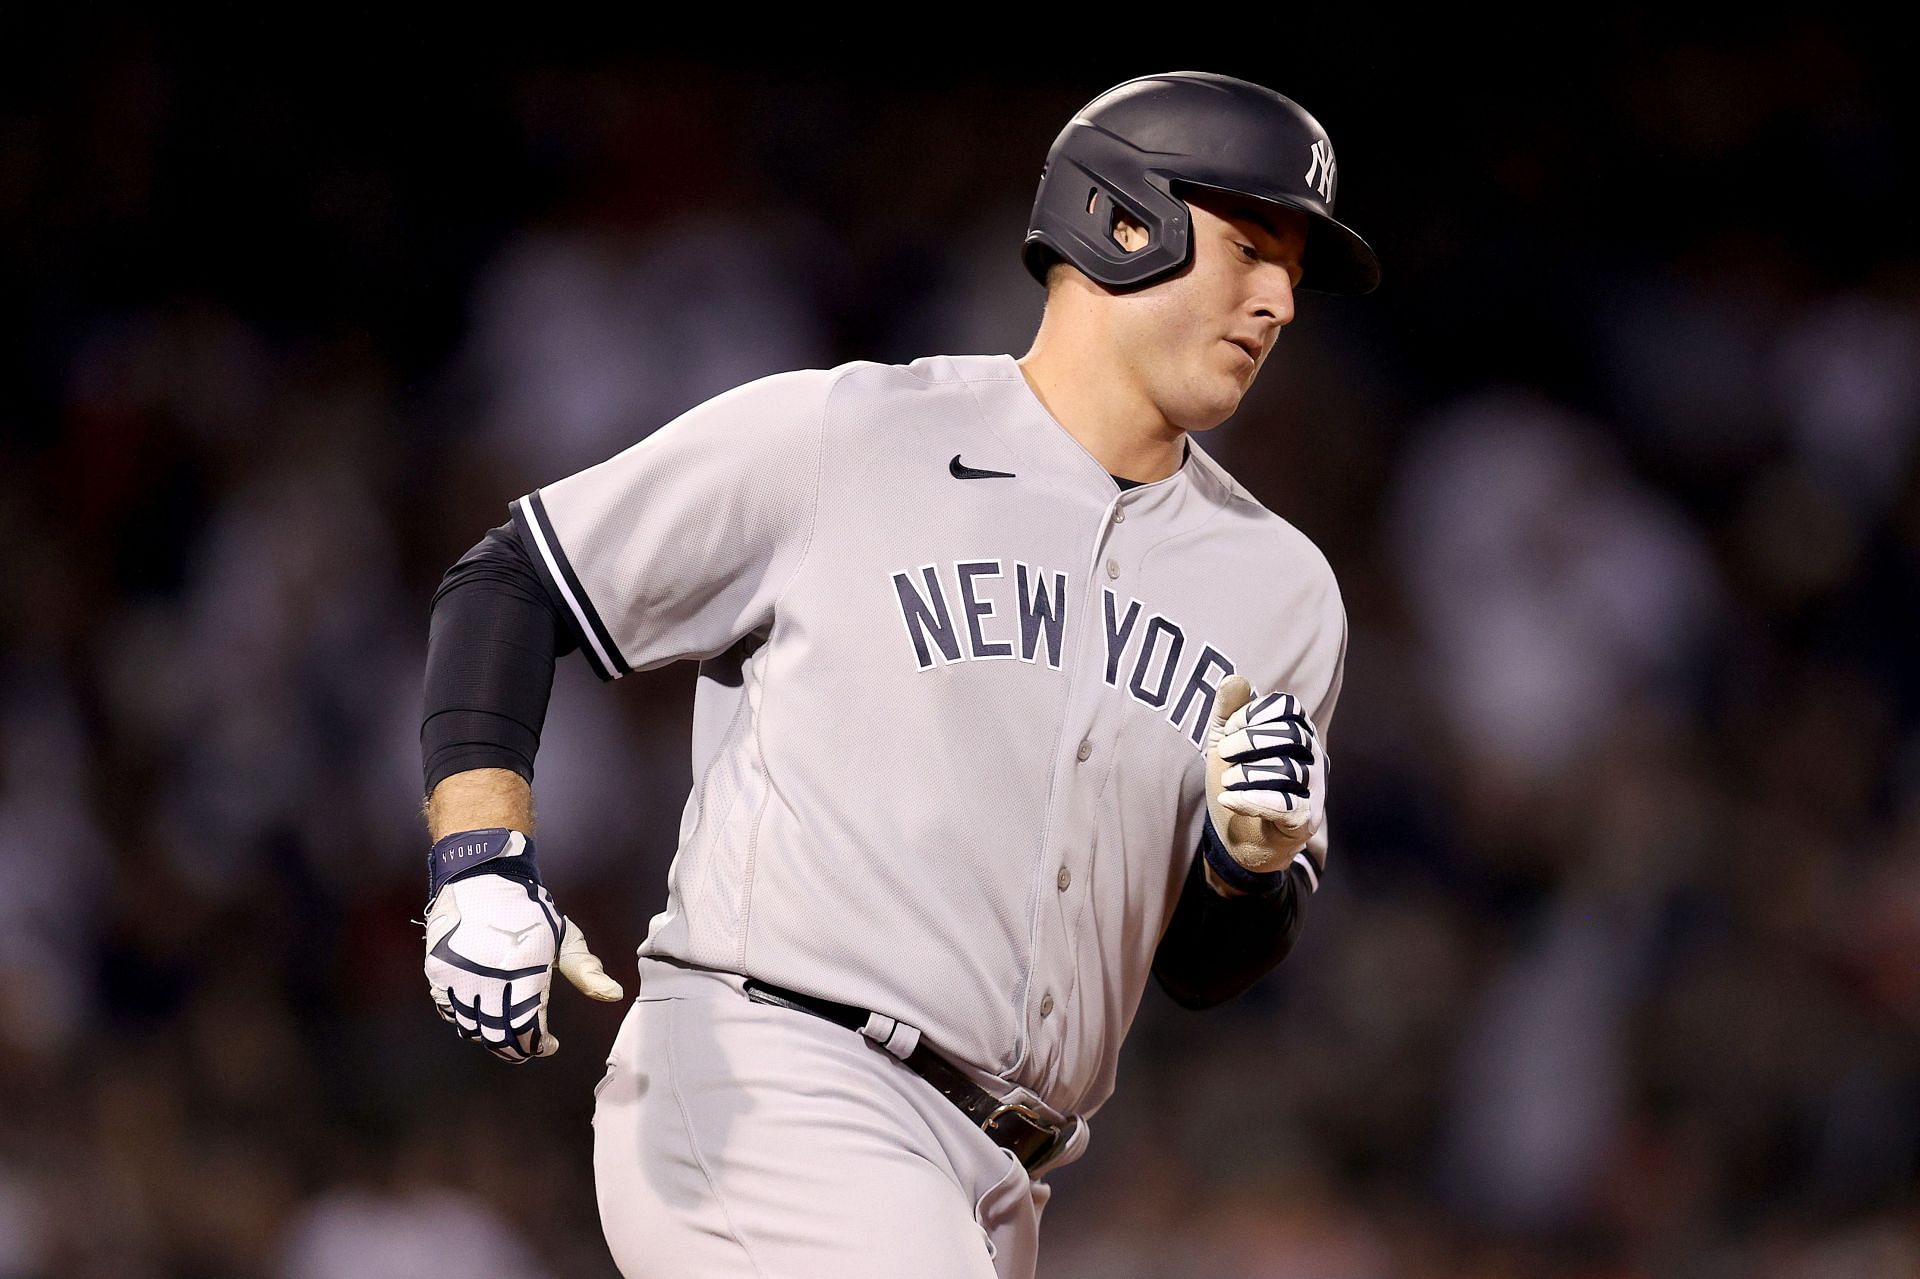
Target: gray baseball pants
740,1138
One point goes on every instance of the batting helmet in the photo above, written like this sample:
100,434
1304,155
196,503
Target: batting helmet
1134,149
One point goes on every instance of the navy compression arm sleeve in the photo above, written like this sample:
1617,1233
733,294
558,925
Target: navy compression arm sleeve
1215,948
491,644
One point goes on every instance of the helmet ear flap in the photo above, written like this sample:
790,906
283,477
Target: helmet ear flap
1084,191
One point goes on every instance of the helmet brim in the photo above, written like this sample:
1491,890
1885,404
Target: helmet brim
1336,260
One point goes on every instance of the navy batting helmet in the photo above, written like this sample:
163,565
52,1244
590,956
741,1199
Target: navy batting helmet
1137,146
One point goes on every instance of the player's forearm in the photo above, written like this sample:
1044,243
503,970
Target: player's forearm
1216,947
491,645
478,799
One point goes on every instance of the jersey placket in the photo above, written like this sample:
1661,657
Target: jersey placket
1068,851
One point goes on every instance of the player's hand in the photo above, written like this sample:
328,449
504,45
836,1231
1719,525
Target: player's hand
492,946
1265,769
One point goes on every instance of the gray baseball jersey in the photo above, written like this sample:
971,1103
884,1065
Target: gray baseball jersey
953,688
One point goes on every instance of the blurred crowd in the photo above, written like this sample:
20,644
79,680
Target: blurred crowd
1616,972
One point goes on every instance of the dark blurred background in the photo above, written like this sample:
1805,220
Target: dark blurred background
1617,971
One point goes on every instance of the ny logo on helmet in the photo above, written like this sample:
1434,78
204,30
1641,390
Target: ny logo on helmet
1322,164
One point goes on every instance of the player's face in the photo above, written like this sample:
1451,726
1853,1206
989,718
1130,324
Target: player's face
1198,339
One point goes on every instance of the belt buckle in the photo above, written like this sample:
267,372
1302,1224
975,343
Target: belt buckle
1052,1133
1021,1109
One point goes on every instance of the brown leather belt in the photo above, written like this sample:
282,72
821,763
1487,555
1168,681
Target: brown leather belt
1015,1127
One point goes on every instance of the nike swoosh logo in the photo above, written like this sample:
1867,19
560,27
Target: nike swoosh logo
963,472
515,937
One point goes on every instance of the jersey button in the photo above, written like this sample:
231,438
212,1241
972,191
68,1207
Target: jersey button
1046,1005
1086,749
1064,878
1113,568
1119,515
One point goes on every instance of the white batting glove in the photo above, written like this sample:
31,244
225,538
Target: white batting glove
1265,775
492,945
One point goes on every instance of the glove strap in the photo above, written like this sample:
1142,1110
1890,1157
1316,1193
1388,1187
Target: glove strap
496,850
1255,883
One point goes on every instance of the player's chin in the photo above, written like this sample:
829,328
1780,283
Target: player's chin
1209,402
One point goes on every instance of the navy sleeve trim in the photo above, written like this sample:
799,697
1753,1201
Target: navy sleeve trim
557,575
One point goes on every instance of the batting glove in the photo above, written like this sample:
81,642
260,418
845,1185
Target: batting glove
494,937
1265,774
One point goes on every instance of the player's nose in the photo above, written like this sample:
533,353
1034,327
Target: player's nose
1272,300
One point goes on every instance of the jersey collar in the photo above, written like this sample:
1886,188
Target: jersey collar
1047,449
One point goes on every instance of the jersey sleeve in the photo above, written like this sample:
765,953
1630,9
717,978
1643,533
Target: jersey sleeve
680,545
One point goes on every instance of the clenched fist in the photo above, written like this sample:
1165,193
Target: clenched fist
1265,777
494,938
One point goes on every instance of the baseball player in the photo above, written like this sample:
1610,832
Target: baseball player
1009,696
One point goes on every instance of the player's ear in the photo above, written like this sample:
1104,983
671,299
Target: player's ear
1125,232
1128,234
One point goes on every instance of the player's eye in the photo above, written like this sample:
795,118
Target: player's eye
1253,254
